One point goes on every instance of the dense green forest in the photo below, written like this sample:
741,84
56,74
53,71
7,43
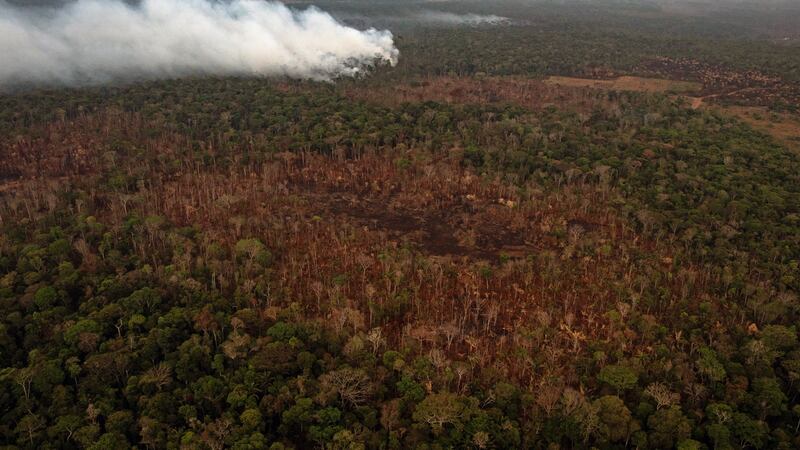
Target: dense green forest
450,253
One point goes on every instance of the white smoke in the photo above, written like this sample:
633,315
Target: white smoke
96,41
462,19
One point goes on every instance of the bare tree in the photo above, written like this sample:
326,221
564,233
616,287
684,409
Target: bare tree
352,385
663,397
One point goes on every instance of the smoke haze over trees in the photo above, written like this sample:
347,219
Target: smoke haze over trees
92,41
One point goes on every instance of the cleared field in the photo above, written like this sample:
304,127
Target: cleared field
628,83
783,127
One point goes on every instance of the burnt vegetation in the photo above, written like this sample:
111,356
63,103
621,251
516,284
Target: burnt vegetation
450,254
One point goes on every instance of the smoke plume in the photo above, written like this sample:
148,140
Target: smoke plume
97,41
462,19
